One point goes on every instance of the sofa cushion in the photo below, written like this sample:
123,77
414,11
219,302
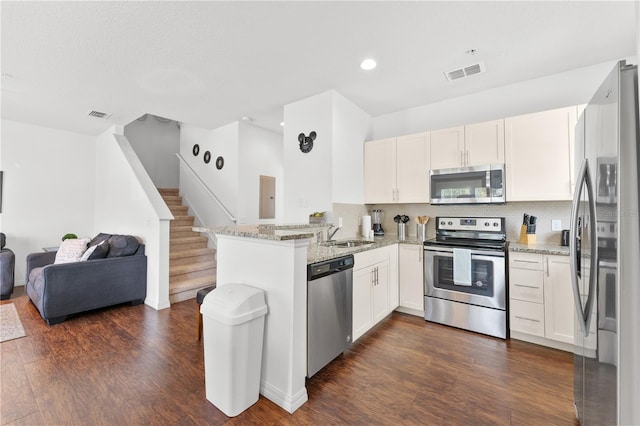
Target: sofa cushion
3,240
71,250
122,245
99,251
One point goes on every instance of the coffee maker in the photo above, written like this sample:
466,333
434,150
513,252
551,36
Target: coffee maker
377,216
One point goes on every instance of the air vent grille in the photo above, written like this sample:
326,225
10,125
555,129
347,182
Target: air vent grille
99,114
465,71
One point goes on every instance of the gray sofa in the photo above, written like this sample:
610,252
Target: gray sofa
60,290
7,269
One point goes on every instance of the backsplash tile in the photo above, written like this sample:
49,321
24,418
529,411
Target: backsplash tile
512,212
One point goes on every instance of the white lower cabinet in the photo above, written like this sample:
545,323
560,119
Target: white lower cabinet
411,278
558,299
370,289
541,297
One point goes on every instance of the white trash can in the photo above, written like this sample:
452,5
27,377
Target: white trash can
233,320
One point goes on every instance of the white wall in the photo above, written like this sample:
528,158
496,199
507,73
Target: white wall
559,90
351,127
333,170
156,143
307,177
128,203
48,187
223,183
261,153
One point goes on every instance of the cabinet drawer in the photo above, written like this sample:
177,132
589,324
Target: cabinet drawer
370,257
527,317
526,261
526,285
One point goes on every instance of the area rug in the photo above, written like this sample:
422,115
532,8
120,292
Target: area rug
10,325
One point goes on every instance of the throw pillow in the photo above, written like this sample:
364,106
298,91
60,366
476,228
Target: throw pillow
101,251
122,245
71,250
98,251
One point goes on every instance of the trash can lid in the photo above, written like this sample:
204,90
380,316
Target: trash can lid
234,304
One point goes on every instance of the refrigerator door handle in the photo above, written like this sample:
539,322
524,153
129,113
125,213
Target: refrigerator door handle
584,178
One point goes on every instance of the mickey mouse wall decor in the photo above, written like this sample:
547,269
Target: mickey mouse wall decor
306,142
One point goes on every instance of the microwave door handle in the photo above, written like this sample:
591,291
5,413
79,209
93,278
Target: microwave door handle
488,184
574,251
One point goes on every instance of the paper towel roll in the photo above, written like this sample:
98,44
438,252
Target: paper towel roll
366,225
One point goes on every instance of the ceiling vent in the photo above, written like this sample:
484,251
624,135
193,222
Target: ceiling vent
98,114
465,72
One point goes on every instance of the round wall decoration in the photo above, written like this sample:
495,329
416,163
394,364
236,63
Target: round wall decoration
196,150
219,163
207,157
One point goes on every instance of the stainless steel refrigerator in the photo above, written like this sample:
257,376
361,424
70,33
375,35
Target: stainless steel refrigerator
605,254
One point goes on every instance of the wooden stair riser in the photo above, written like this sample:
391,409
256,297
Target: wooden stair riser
183,220
191,267
190,260
187,246
173,203
179,210
178,254
184,284
183,234
169,191
192,274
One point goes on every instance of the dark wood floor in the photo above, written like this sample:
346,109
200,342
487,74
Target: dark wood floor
134,365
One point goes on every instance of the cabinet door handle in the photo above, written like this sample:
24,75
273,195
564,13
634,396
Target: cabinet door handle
547,261
528,319
526,286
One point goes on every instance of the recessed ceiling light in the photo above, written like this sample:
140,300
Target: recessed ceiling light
368,64
282,123
245,118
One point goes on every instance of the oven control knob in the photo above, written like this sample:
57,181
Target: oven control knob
442,222
496,224
486,224
450,223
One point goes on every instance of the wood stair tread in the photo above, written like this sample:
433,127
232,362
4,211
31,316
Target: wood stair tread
182,253
190,284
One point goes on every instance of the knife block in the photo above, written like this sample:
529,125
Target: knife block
528,239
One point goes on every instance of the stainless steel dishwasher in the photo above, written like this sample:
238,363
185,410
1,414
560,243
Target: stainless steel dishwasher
329,311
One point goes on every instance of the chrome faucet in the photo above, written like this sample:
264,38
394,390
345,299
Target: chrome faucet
331,233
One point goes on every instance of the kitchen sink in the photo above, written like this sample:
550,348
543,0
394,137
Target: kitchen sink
347,243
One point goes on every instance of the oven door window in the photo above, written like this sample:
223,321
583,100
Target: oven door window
482,282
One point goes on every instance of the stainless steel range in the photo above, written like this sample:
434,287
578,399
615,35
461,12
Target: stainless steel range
465,274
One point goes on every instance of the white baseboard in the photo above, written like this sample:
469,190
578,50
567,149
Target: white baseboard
289,402
410,311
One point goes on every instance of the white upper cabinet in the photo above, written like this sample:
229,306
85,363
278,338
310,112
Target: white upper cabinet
396,170
466,146
447,147
484,143
412,168
538,151
380,171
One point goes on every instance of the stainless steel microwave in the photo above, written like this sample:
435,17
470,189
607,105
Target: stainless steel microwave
468,185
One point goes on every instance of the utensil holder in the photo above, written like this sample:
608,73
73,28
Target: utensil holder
421,231
402,231
528,239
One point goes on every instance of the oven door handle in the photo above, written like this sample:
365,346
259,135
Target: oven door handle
584,180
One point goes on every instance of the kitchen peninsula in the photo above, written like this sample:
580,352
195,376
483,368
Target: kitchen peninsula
275,260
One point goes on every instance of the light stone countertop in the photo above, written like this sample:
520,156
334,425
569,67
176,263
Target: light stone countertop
539,248
259,232
319,253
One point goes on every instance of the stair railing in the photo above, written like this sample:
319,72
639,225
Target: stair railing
207,189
